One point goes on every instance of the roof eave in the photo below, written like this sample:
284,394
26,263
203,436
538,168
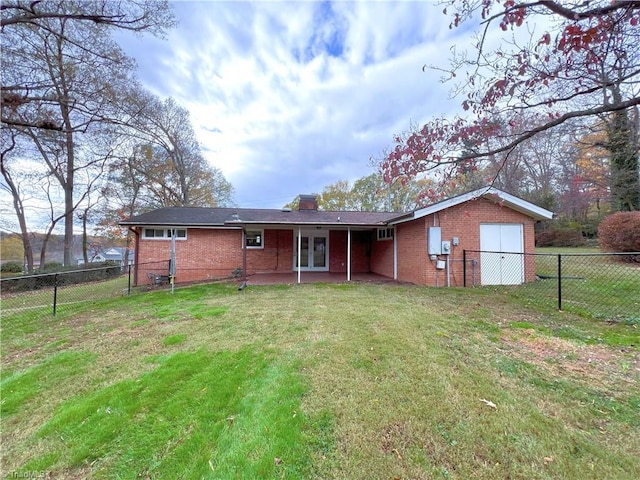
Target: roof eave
504,198
520,205
170,224
308,224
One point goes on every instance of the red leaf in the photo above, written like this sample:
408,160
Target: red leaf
500,84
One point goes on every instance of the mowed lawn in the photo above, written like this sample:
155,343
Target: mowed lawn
354,381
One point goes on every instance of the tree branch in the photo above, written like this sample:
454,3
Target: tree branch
43,124
554,123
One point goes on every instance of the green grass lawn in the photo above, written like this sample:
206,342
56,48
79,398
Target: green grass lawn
320,381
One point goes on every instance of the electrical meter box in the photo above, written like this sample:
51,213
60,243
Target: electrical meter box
446,248
434,240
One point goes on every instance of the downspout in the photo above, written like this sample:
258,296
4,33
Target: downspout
348,254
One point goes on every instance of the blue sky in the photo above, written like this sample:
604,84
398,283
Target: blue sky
287,97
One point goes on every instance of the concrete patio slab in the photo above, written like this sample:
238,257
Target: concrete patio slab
314,277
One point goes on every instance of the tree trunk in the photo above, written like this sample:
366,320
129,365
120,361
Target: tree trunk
625,185
24,234
85,255
43,249
17,205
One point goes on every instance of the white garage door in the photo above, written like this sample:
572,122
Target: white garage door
497,266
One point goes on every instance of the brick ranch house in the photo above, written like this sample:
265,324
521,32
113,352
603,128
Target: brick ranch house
423,247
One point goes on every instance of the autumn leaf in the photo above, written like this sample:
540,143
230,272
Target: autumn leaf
489,403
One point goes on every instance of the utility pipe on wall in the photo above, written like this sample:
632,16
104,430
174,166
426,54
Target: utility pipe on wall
448,270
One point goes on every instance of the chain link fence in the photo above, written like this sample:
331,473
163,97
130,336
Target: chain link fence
42,295
604,286
598,285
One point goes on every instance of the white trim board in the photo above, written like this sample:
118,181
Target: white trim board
507,200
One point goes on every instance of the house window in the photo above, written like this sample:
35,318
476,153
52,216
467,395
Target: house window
163,233
385,233
255,239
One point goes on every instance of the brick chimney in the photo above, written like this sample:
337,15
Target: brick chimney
308,202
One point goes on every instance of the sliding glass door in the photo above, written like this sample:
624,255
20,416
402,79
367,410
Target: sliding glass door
314,251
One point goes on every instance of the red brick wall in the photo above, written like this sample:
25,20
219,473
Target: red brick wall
276,256
360,251
215,253
411,238
381,256
205,254
462,221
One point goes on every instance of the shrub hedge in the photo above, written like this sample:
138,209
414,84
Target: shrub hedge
560,237
620,233
11,267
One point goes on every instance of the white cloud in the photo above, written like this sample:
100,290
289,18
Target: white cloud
289,97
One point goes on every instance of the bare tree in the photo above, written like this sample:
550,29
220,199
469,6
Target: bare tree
170,158
62,80
27,102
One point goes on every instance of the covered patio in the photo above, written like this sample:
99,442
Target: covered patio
283,278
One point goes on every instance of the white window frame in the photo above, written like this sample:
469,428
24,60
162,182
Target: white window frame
166,233
260,234
386,233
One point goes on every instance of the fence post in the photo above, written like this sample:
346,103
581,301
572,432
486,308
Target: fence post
129,281
559,282
464,268
55,293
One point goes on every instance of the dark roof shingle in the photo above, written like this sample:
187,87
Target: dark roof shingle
198,216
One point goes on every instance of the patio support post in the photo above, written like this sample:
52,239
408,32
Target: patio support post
244,255
299,251
172,262
349,254
395,254
136,254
